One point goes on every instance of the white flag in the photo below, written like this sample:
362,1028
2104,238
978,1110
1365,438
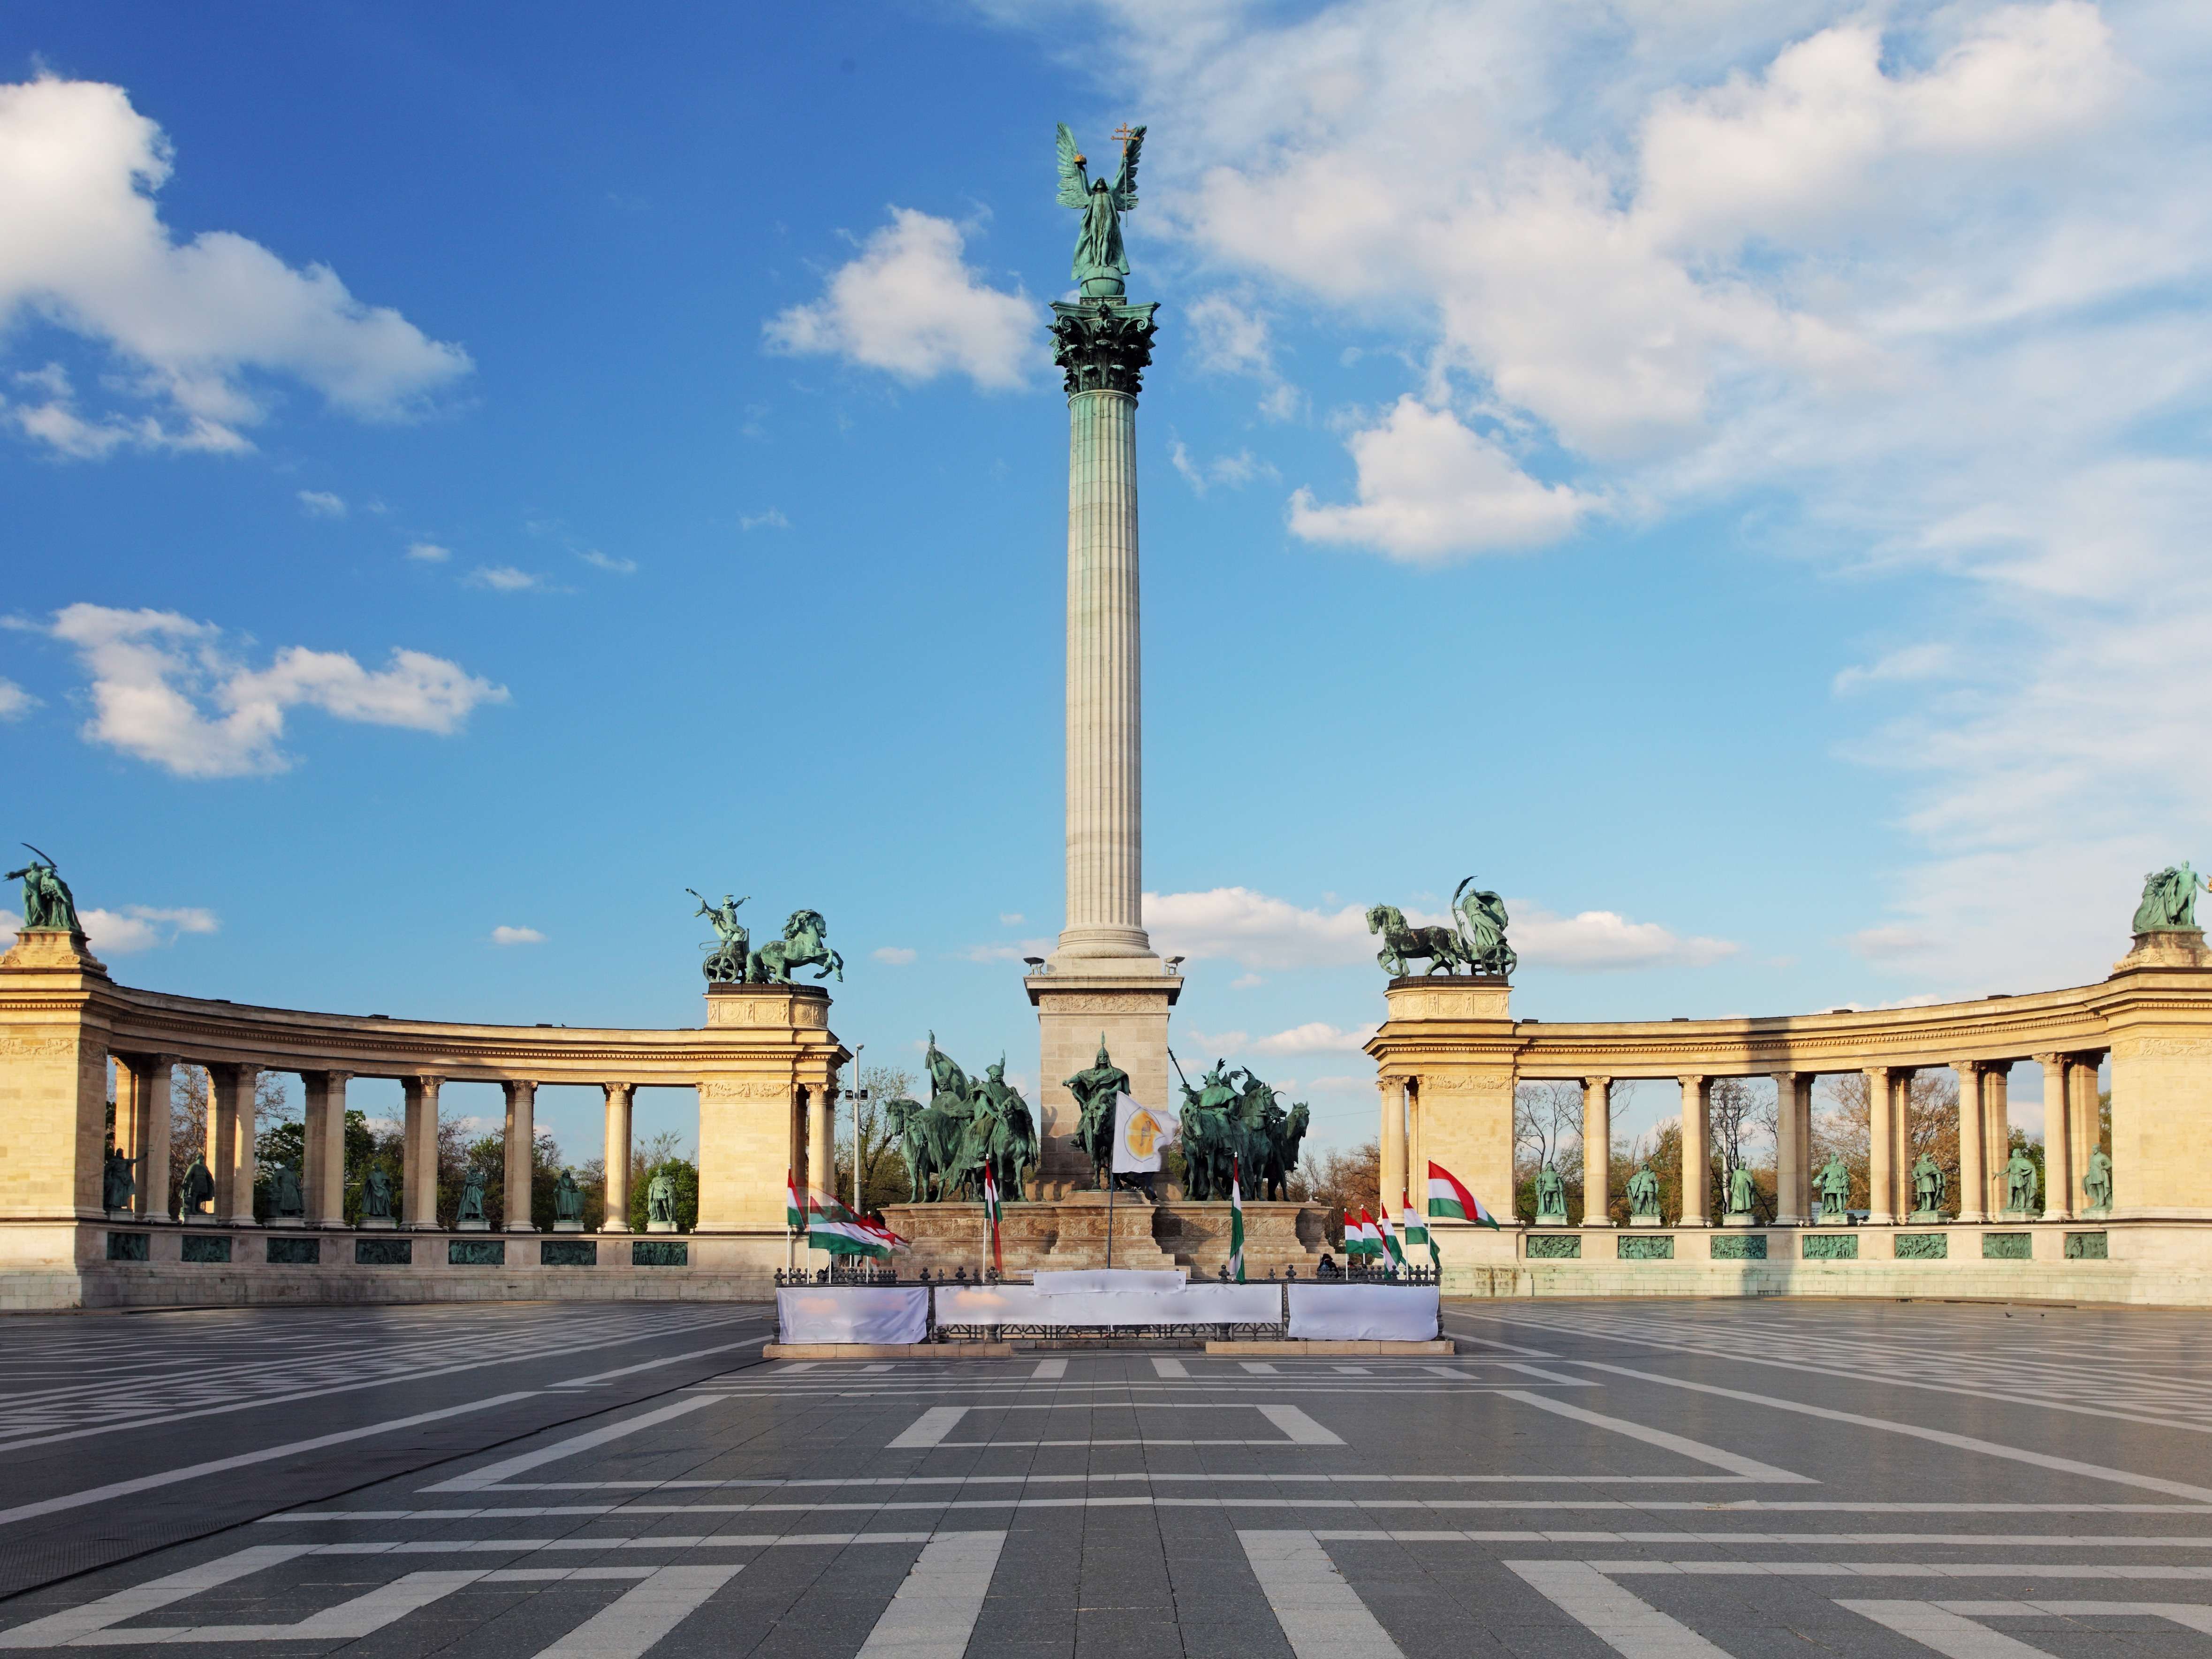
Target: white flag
1140,1135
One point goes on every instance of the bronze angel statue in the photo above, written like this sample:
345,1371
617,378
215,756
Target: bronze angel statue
1101,262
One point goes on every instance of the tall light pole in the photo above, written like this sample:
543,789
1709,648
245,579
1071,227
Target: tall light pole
856,1094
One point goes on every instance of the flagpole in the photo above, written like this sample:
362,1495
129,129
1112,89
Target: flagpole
1109,1202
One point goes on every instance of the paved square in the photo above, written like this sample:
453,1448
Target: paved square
1659,1481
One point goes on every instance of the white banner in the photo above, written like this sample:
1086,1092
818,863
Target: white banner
1140,1135
852,1313
1193,1304
1107,1278
1365,1313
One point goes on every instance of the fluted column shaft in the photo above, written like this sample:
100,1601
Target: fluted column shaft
1105,788
1790,1151
1697,1152
1393,1142
1881,1145
419,1170
324,1175
521,1161
1597,1150
821,1144
231,1137
1973,1180
616,1219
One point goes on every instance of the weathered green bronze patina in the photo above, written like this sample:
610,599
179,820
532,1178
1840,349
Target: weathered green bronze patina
115,1183
1550,1194
48,904
968,1126
1231,1129
567,1198
1644,1193
729,955
1835,1188
2019,1184
199,1185
472,1198
1743,1193
376,1196
2169,900
1100,262
1929,1183
286,1197
2097,1182
1096,1091
1475,942
805,944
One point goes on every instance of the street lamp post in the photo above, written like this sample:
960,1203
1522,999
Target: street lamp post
856,1094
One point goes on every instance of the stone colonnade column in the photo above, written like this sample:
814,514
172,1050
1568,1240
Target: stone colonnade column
2082,1118
231,1135
1973,1180
1790,1152
419,1170
616,1219
1417,1149
324,1174
821,1146
1597,1152
521,1162
2059,1139
1996,1136
1881,1145
1393,1140
151,1076
1697,1152
127,1130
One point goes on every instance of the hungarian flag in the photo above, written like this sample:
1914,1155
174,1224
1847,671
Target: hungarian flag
1452,1202
1371,1236
1236,1221
831,1226
1417,1237
991,1215
1389,1235
1360,1238
794,1218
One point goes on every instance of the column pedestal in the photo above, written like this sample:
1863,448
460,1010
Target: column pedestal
1075,1010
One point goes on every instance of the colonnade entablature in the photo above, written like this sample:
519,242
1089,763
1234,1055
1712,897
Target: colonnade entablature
1451,1055
764,1063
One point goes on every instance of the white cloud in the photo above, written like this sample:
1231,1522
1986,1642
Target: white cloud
1595,941
909,304
504,935
1234,471
771,520
1015,952
1246,981
141,927
1255,930
429,552
1011,918
1928,660
10,924
1314,1037
1430,489
1232,338
506,579
608,562
1212,1042
15,701
194,326
893,956
165,689
322,504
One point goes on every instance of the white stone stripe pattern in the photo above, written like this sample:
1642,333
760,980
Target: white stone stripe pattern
933,1615
493,1474
1948,1634
641,1616
1625,1622
1696,1450
1322,1615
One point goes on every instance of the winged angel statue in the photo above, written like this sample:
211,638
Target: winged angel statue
1101,262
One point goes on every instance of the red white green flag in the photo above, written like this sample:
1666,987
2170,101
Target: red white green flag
831,1226
794,1217
1236,1221
1449,1201
1361,1239
1389,1235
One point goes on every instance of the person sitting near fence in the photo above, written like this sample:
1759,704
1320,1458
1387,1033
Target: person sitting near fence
1329,1269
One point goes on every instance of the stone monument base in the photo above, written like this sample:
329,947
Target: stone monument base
1055,1235
377,1223
1552,1221
2167,948
196,1218
660,1226
288,1221
1738,1218
1832,1221
1920,1217
478,1227
568,1226
1645,1221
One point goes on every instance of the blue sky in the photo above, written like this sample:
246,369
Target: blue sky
1730,477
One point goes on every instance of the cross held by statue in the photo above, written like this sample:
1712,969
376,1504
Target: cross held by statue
1121,134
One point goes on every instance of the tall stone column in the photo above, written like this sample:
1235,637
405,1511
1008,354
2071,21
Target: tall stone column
1597,1152
1417,1149
1790,1151
325,1171
2059,1139
149,1089
521,1160
821,1139
616,1219
231,1134
1997,1137
1103,984
2085,1133
1882,1146
1697,1152
1973,1180
1392,1139
419,1171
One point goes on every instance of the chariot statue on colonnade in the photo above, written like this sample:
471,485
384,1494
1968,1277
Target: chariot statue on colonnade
1475,941
730,959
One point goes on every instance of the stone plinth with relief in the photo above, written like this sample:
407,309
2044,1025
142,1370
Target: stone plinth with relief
1069,1233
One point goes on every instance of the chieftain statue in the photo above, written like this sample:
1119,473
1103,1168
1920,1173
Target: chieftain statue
1101,263
1475,942
2169,901
199,1185
1551,1194
1643,1192
1834,1184
970,1125
285,1196
1096,1091
567,1198
116,1184
472,1198
47,901
1232,1129
2097,1183
1928,1183
1743,1191
376,1194
2019,1184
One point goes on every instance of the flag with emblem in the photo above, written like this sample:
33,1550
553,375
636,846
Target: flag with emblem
1450,1201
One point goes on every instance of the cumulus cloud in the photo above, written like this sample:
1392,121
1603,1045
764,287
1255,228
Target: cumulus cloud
1233,471
504,935
771,520
1255,930
15,701
322,504
429,552
911,305
892,956
1015,952
138,927
167,690
195,328
1314,1037
1231,336
1431,489
1595,941
608,562
506,579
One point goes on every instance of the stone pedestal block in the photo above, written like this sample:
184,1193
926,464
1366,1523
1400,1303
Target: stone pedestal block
568,1226
1069,1233
1277,1237
1075,1010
